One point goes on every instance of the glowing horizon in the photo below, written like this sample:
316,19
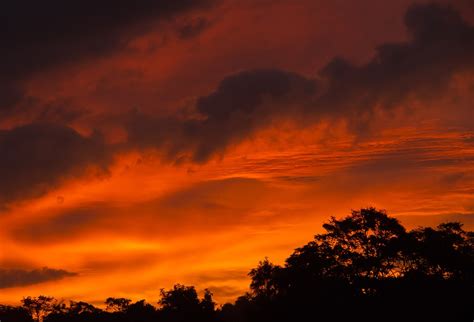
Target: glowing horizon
188,142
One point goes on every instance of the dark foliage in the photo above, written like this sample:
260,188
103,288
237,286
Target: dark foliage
365,267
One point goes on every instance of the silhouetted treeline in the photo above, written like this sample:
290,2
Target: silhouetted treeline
365,267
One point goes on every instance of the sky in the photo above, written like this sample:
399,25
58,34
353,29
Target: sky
149,143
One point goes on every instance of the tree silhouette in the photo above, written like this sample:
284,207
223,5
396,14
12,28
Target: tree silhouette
362,243
75,312
141,311
367,262
181,303
264,279
117,304
17,314
365,267
40,306
208,305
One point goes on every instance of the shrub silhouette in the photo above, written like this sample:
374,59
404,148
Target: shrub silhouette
365,267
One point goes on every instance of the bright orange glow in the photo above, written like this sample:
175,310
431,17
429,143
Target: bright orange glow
146,222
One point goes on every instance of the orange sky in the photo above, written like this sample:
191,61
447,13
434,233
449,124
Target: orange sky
197,140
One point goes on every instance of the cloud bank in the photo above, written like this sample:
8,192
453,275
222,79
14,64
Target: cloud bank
20,277
35,157
441,45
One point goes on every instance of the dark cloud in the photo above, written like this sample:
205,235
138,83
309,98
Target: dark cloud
10,93
36,35
244,92
36,157
242,103
192,28
21,277
59,112
441,45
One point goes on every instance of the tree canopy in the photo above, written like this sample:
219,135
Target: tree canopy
365,266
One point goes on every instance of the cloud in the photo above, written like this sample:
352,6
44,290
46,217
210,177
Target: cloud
240,105
36,35
192,28
208,205
37,157
441,45
20,277
68,224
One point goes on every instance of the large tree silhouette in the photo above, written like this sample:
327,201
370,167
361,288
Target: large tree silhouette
368,266
365,266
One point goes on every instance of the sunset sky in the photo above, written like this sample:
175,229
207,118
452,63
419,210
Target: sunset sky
146,143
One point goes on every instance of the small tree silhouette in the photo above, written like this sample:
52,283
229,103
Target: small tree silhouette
182,303
40,306
117,304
